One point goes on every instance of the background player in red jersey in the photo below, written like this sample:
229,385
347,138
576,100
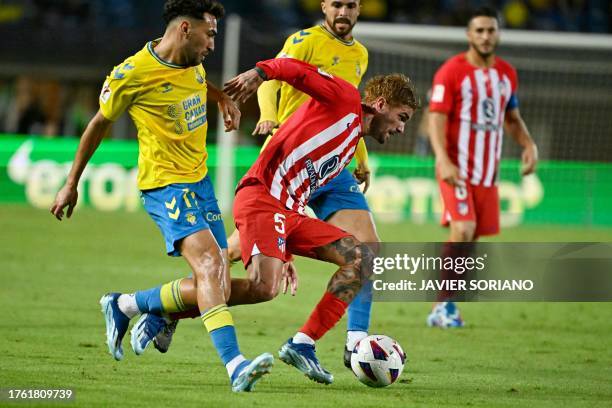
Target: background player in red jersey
473,99
312,147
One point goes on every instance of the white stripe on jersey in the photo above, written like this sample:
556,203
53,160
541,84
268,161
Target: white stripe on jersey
308,146
478,158
508,90
464,126
492,155
302,176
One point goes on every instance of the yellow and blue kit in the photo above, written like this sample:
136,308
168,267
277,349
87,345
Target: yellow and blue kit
168,105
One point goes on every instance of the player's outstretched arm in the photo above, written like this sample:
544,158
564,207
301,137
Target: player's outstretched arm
241,87
227,107
518,130
97,128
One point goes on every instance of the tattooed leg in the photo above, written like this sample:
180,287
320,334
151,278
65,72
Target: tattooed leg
352,259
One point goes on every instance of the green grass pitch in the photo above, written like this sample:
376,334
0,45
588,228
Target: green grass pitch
52,331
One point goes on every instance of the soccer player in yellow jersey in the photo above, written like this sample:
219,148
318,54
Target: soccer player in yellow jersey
331,47
163,87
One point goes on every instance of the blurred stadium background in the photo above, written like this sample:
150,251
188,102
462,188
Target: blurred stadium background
55,55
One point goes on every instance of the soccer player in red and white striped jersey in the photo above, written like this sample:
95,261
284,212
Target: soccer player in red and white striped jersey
314,145
473,99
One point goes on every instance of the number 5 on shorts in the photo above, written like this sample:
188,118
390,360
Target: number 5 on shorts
279,223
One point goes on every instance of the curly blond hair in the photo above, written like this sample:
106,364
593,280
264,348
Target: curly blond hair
397,89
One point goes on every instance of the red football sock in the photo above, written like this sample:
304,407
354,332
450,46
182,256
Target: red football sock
453,250
325,315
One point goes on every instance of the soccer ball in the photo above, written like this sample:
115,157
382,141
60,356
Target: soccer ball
378,360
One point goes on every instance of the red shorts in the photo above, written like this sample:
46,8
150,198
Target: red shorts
471,203
267,227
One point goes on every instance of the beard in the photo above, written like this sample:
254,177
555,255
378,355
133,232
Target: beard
342,20
485,54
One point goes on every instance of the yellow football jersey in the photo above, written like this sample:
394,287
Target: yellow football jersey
317,46
167,102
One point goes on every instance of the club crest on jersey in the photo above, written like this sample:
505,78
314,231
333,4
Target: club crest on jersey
462,208
358,69
199,77
335,61
281,244
328,166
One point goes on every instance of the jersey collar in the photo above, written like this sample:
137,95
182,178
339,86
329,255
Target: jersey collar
329,33
152,44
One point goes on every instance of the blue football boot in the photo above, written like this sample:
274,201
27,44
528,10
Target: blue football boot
249,372
445,315
145,330
116,324
302,356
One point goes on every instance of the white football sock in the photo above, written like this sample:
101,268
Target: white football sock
353,336
127,304
235,362
303,339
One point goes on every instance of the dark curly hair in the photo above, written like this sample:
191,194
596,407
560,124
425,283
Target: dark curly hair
192,8
484,11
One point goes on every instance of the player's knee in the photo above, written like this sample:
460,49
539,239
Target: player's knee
463,232
210,265
265,292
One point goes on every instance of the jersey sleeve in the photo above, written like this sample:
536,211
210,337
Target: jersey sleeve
267,100
118,91
513,102
442,90
311,80
361,153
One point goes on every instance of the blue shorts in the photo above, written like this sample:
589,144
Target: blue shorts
182,209
341,193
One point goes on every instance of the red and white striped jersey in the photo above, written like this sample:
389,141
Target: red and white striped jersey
475,100
316,142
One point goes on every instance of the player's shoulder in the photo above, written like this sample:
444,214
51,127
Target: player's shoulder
455,62
504,65
362,48
132,68
305,35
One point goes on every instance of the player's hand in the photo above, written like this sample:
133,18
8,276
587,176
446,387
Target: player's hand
264,128
290,278
241,87
529,159
449,173
362,174
67,196
231,113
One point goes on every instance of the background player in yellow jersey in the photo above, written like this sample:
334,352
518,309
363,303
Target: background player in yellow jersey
331,47
164,90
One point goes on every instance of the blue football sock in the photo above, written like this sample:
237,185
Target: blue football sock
220,325
224,340
149,301
360,308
